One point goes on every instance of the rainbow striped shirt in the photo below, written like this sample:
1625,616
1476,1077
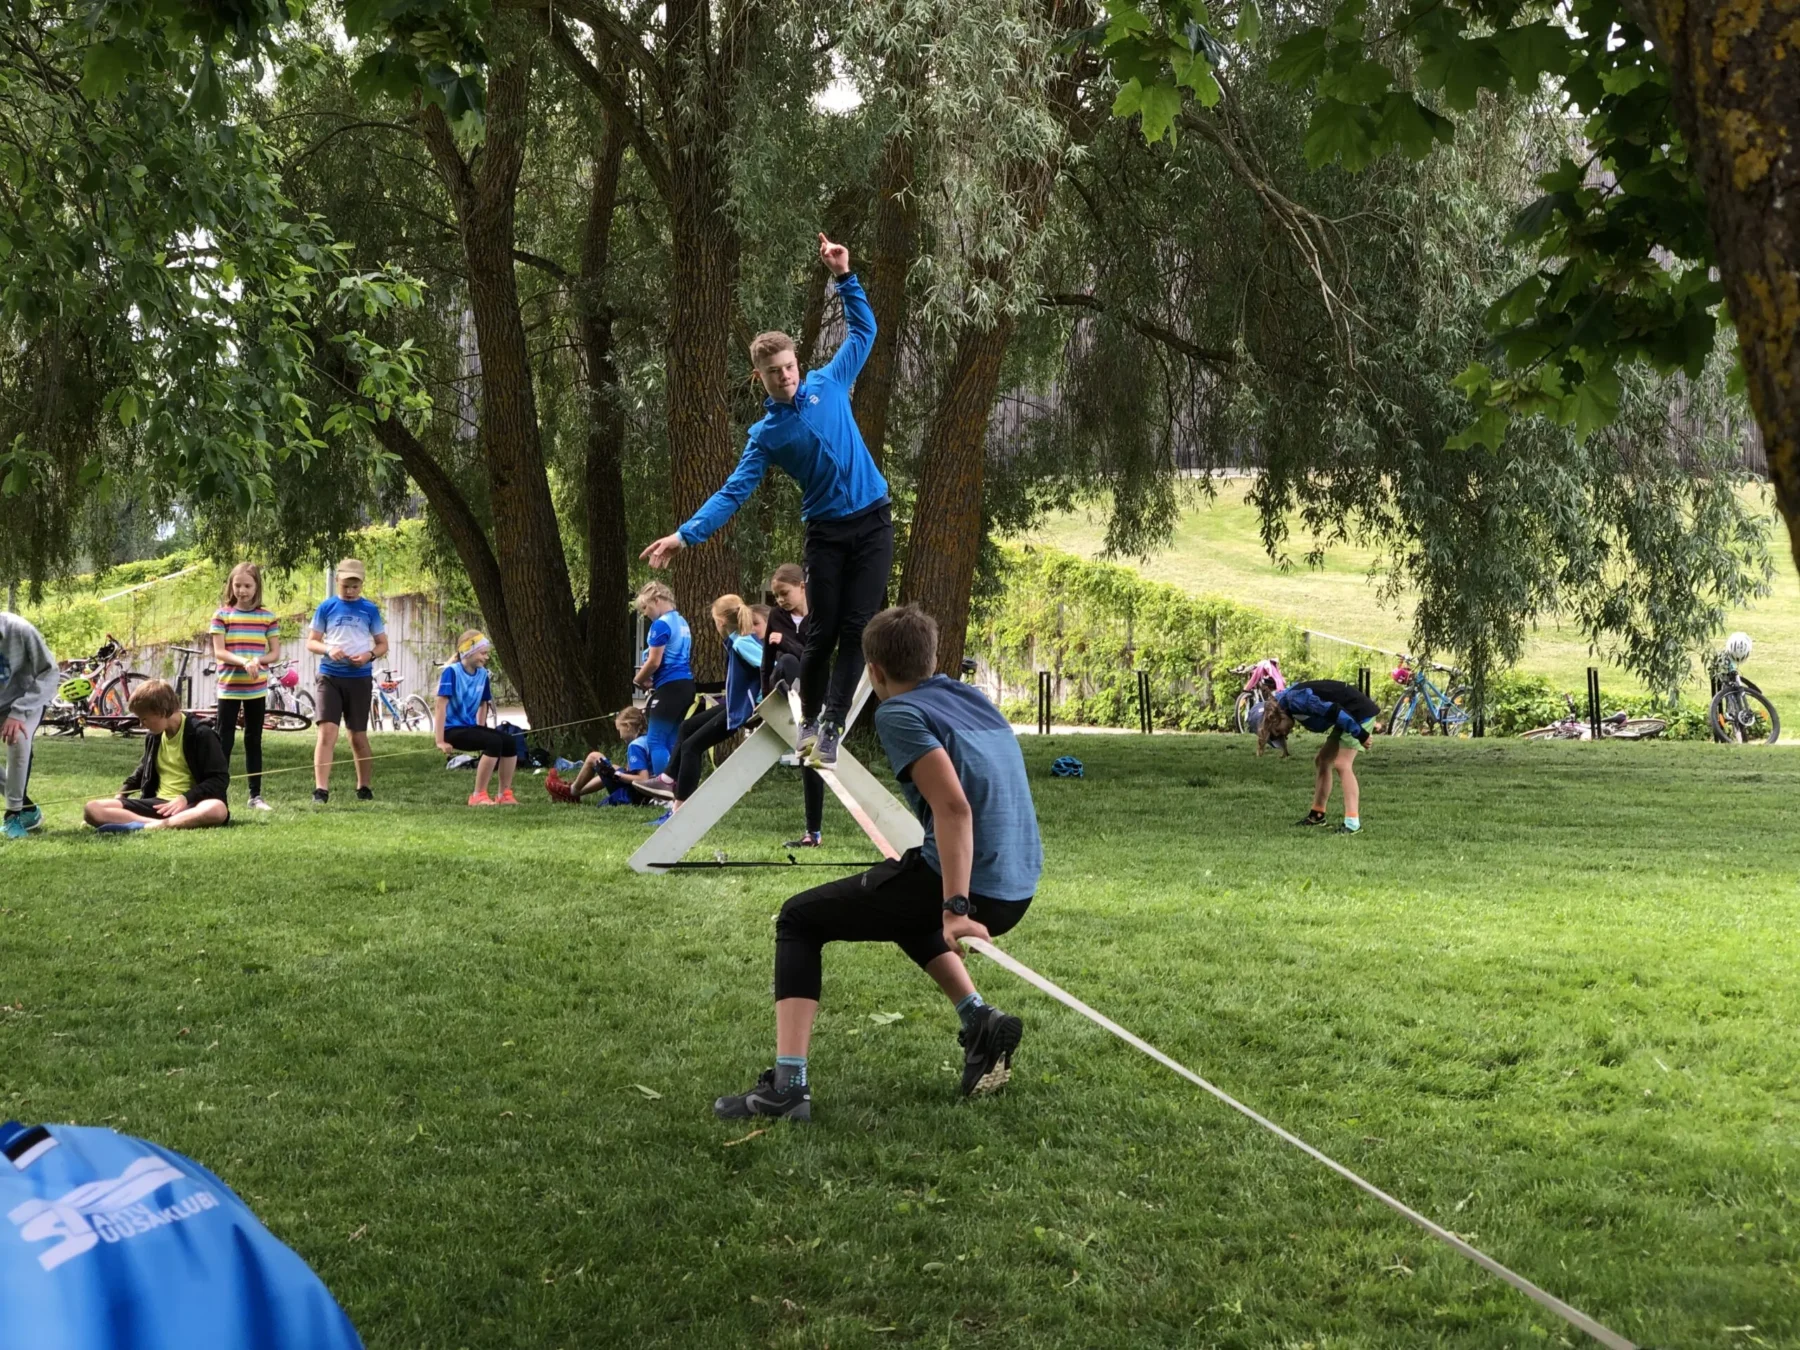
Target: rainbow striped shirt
248,632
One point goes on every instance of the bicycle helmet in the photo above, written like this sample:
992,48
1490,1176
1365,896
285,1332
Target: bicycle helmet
1737,646
289,678
77,690
1067,766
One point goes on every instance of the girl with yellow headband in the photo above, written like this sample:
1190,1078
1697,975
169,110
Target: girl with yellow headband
465,707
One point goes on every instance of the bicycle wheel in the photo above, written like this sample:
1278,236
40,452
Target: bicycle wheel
304,705
1741,716
285,721
1454,718
63,721
415,714
1245,702
115,697
1636,729
1399,720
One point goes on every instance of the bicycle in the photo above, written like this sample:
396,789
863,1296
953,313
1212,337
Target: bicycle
1262,679
414,714
97,693
1613,726
288,702
1445,707
1740,713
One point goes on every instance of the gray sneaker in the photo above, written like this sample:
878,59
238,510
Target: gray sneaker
824,755
808,738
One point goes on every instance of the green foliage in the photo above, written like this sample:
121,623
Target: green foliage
1095,624
1517,703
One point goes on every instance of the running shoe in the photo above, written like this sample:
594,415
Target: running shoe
321,796
1312,818
988,1048
824,754
664,818
662,787
365,794
791,1103
481,799
811,839
258,804
807,740
22,822
559,791
506,798
1348,829
121,827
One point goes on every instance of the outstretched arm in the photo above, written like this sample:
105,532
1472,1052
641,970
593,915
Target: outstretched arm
859,318
718,508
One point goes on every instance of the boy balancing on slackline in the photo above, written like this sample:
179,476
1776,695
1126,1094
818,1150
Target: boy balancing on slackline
960,766
809,432
1329,706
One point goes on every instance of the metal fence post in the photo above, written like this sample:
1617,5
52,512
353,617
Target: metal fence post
1143,680
1593,675
1043,703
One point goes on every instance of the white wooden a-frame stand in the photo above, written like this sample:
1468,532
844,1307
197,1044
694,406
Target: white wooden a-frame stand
884,818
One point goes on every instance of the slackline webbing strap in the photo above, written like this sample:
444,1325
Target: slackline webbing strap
1573,1316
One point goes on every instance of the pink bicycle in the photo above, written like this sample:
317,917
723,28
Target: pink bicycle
1261,680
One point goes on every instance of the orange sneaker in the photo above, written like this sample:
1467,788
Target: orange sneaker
506,799
481,799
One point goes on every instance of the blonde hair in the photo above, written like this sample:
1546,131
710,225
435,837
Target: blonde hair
469,639
651,592
730,611
250,570
766,345
156,697
631,722
1277,725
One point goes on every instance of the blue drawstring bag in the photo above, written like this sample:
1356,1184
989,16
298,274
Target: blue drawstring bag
114,1242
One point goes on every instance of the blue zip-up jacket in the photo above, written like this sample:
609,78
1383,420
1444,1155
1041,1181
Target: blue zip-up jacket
743,679
1317,713
814,439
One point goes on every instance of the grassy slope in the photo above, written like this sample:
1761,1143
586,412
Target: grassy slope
1544,998
1216,550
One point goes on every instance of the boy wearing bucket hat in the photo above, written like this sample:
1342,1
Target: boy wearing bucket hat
347,630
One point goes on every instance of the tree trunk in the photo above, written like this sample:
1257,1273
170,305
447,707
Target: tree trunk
947,520
610,654
893,242
527,542
1735,76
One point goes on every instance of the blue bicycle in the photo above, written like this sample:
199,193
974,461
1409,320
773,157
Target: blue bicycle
1425,706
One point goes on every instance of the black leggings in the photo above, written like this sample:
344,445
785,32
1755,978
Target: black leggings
251,709
699,733
900,901
787,668
847,566
489,742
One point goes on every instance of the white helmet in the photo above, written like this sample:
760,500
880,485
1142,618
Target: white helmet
1737,646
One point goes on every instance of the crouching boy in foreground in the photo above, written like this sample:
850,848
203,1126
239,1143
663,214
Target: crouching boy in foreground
959,764
181,780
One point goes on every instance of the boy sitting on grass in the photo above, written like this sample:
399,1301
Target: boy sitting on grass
959,764
180,782
600,774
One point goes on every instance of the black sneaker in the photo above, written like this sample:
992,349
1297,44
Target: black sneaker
364,794
988,1048
321,796
824,755
1312,818
791,1103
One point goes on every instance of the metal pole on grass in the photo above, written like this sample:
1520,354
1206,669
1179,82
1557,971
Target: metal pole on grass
1143,678
1593,674
1043,703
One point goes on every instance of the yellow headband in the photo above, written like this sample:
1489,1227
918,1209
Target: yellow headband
474,644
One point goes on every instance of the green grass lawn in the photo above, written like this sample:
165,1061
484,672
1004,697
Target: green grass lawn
1548,997
1217,551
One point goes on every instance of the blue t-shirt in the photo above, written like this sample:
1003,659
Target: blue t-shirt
942,713
671,634
116,1241
350,625
637,754
466,693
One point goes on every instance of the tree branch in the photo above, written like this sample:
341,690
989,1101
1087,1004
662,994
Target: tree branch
451,166
1156,332
613,96
555,269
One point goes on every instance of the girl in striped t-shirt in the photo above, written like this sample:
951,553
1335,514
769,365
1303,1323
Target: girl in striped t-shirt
245,640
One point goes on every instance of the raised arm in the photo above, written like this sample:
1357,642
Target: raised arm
859,318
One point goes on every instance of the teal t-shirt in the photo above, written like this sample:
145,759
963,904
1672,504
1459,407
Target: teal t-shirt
942,713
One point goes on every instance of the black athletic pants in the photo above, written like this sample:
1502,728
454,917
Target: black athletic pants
487,742
251,710
699,733
900,901
847,566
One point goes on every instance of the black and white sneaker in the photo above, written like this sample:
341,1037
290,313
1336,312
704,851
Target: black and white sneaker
765,1099
320,796
824,755
1312,818
988,1049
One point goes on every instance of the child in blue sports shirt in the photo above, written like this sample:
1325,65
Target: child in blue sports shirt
600,774
735,618
1339,710
810,432
959,764
667,672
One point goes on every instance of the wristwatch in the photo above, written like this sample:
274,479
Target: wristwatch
957,905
